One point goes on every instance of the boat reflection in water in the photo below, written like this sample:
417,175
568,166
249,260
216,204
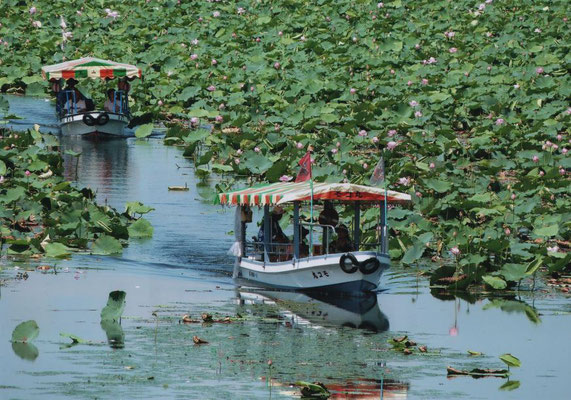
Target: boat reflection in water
328,310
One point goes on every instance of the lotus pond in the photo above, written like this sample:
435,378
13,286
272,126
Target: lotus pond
347,344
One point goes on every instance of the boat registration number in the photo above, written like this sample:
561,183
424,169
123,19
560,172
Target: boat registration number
320,274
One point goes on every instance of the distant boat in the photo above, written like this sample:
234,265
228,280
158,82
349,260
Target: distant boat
77,114
355,267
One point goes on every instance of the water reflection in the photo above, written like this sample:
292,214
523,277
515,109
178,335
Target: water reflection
115,334
321,309
104,161
26,351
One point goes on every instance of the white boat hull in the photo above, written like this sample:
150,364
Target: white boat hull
318,272
74,125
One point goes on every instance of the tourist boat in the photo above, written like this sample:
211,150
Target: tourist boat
85,119
321,265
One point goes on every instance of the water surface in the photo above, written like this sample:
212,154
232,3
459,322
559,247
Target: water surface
184,269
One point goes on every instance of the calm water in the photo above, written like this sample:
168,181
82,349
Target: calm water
184,269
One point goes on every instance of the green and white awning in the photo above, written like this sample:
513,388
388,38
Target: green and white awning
285,192
90,67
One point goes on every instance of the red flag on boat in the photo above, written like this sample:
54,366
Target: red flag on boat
305,171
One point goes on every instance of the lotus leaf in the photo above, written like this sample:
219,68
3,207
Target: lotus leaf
106,245
141,228
25,332
115,306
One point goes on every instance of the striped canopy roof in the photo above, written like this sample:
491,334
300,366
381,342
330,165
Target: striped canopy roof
285,192
90,67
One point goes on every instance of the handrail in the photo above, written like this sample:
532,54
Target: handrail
311,225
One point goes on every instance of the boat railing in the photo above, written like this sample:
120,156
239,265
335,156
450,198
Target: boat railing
327,233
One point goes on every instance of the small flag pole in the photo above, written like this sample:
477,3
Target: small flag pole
311,214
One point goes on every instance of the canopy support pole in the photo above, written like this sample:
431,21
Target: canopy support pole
357,227
267,233
296,230
383,225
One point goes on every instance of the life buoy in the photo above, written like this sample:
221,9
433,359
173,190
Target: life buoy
348,263
369,266
89,120
103,118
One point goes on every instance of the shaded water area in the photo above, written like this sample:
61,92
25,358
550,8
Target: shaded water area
184,269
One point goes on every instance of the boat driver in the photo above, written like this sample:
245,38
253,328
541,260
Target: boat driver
277,235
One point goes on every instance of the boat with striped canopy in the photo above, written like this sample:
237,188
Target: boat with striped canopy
76,113
328,259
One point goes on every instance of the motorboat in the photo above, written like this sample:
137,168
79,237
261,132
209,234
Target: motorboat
76,113
317,258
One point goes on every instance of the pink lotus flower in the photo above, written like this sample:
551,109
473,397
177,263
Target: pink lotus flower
516,86
222,106
160,102
193,56
241,11
219,119
559,137
424,81
409,83
352,90
194,121
413,103
432,166
392,71
481,7
216,14
455,251
453,50
489,68
564,150
1,179
338,144
62,23
213,62
299,145
211,88
418,114
239,151
507,231
194,42
541,173
285,178
539,70
33,10
500,121
537,30
391,145
535,159
449,34
418,194
36,24
236,161
280,33
365,165
200,19
362,133
111,14
28,173
257,149
553,249
302,38
417,46
375,140
391,133
404,181
344,172
334,150
512,196
453,331
561,171
380,5
277,127
67,35
277,65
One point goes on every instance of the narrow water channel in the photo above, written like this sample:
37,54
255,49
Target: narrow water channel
184,269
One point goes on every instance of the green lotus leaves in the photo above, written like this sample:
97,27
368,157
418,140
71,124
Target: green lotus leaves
510,361
136,207
106,245
495,282
115,306
57,250
141,228
25,332
144,131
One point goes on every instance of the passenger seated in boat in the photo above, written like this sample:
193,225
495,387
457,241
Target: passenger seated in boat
277,235
79,105
123,84
110,104
303,246
343,242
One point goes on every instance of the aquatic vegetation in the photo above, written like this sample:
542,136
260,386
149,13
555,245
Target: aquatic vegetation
467,103
42,213
115,306
25,332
